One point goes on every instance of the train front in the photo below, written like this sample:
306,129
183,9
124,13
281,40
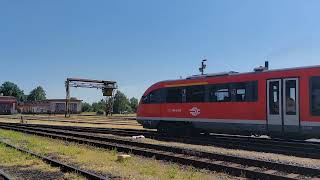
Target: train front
149,108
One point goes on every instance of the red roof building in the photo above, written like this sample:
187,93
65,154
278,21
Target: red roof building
8,105
51,106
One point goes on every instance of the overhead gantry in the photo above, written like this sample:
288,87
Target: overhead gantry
107,87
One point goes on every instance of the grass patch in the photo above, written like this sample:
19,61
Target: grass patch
105,161
23,166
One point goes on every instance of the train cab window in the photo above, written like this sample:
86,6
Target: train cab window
145,99
220,93
195,94
174,95
315,95
153,97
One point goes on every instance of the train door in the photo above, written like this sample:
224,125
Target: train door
274,106
283,105
291,117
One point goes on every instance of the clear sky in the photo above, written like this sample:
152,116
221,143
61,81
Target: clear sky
140,42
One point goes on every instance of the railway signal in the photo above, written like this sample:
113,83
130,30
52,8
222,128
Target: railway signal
203,67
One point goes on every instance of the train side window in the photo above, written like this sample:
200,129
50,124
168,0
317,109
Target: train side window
240,92
220,93
315,95
252,91
174,95
245,91
195,93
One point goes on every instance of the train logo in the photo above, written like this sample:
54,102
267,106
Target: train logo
195,111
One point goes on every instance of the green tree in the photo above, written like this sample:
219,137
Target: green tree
99,106
11,89
37,94
134,104
121,103
86,107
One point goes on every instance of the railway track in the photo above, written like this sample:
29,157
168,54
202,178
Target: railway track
129,121
110,121
237,166
297,148
63,167
4,176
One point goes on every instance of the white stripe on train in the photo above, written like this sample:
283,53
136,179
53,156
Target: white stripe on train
234,121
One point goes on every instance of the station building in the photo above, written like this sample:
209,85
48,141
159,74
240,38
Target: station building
8,105
51,106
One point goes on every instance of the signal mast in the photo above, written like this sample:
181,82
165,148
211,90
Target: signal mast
203,67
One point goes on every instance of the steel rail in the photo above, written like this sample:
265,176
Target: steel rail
237,166
54,163
4,176
133,123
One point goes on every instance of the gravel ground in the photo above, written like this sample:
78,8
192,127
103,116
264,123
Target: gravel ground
306,162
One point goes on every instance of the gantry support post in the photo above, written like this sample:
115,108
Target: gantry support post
67,98
111,105
107,106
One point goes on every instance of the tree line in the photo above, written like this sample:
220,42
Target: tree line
11,89
121,104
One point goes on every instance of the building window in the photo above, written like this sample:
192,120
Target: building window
174,95
5,108
60,107
315,95
73,107
195,93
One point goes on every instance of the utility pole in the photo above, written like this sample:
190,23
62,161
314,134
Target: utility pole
203,67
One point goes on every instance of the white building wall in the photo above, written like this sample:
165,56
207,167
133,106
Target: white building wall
79,107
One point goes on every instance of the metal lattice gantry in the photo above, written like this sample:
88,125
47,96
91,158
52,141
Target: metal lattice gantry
107,87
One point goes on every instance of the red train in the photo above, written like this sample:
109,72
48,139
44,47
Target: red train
284,101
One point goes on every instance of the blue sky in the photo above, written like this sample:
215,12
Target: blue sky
141,42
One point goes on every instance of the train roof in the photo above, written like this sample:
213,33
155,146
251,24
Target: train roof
234,73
